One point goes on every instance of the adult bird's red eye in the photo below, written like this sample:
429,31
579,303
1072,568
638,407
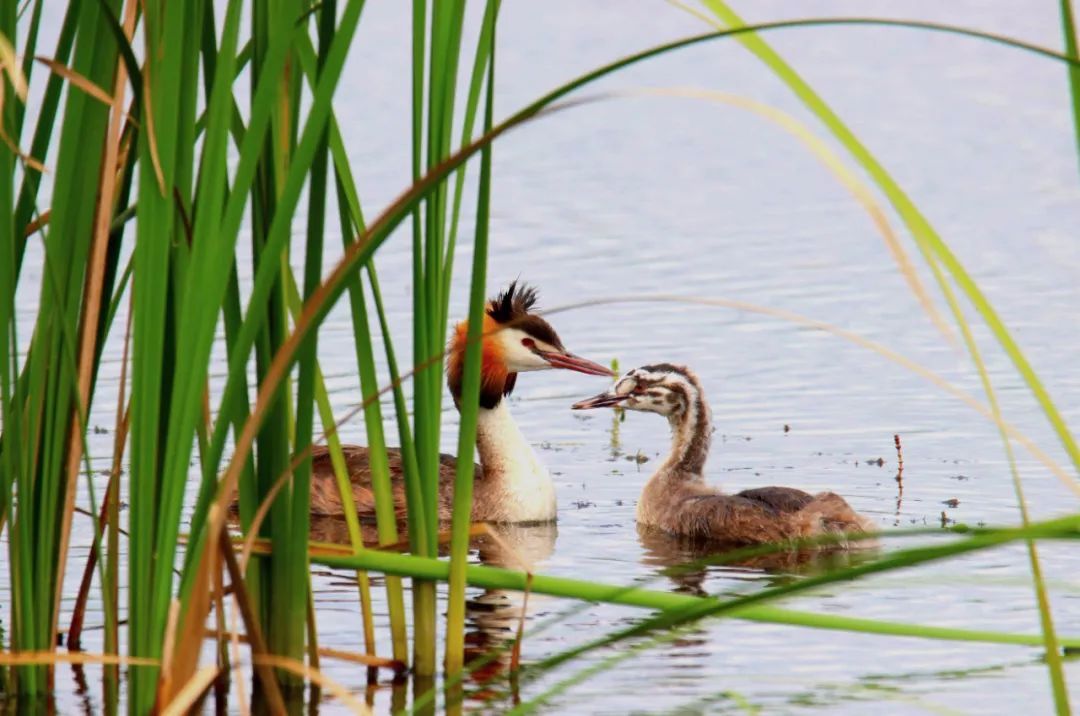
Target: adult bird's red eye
528,343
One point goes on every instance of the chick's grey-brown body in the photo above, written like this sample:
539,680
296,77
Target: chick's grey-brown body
677,500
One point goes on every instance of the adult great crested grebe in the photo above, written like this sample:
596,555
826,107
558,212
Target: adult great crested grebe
676,498
511,484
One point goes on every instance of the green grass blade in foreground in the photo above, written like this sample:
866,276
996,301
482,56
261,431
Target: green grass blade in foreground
934,249
441,68
483,51
1068,28
299,522
352,222
469,403
729,557
46,393
150,364
925,235
26,207
341,475
378,462
12,456
199,298
379,230
278,234
897,560
679,608
250,150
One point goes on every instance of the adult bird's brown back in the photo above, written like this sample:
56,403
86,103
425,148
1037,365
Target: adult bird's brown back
511,484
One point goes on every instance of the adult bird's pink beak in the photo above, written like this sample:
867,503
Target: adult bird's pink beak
607,399
569,361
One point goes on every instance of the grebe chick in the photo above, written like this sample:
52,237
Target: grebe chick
511,484
676,498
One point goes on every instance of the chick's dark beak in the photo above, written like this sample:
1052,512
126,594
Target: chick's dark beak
569,361
607,399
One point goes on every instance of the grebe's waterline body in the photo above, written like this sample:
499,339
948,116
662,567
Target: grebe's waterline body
511,484
676,498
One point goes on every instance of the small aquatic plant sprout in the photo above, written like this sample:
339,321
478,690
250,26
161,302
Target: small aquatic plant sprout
677,500
512,485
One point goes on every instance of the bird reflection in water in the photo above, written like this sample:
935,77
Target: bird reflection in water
688,562
492,616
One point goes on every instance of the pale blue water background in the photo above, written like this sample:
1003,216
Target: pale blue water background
679,196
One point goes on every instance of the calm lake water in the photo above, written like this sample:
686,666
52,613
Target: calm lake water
681,196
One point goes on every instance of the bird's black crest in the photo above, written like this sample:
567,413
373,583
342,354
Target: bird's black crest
512,307
513,303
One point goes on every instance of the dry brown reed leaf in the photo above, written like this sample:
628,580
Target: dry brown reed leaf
92,293
242,603
234,643
123,422
262,546
78,612
151,133
14,148
81,81
30,658
219,635
38,223
365,659
191,692
164,687
515,653
187,648
9,63
477,529
355,657
314,676
313,634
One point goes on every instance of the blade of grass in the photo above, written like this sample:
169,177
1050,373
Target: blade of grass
897,560
93,299
679,608
1068,28
934,249
341,474
276,243
926,237
480,60
470,395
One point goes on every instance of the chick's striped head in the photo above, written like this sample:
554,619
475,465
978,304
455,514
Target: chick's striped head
670,390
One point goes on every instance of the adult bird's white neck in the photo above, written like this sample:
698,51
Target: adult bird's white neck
516,487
